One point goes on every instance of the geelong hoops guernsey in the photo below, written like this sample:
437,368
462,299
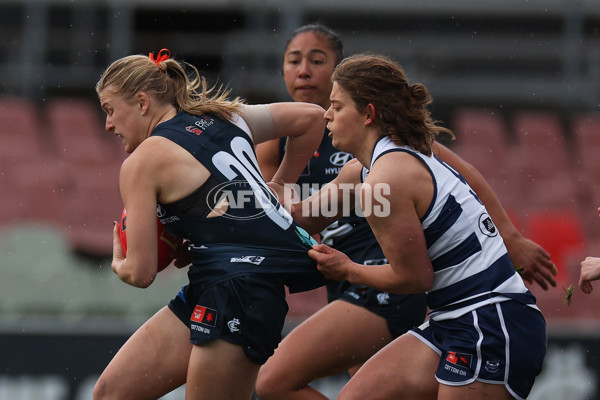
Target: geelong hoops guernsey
470,262
255,234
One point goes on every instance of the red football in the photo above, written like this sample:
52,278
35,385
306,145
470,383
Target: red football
167,243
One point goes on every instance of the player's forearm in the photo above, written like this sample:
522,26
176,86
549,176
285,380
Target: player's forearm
307,214
323,207
386,279
305,137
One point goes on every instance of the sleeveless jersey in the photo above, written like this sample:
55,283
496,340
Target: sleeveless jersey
470,262
255,235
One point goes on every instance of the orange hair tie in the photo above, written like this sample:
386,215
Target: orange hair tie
163,54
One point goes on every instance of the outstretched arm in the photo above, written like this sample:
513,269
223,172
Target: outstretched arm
395,220
523,252
329,204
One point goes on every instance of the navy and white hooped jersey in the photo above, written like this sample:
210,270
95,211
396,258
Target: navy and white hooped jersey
350,233
255,234
470,262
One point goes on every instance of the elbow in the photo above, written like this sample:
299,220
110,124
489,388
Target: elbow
318,114
414,286
423,285
142,283
142,279
318,110
137,278
425,281
418,283
402,276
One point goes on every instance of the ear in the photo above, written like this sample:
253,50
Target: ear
370,115
143,102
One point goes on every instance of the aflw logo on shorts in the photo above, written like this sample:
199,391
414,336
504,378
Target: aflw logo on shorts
204,315
459,359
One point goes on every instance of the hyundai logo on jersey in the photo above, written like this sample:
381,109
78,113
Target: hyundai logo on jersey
340,158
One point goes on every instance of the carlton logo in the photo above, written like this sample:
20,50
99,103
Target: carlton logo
340,158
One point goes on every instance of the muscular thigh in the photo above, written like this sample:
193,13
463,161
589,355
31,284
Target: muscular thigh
336,338
474,391
404,369
152,362
220,370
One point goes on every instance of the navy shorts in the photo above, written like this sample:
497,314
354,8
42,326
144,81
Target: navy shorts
365,252
502,343
248,311
401,311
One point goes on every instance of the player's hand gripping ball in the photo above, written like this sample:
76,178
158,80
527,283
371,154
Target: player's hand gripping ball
168,244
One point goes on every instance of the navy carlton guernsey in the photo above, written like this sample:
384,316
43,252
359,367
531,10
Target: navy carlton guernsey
255,235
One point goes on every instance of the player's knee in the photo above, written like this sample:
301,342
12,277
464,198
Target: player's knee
265,386
269,385
102,391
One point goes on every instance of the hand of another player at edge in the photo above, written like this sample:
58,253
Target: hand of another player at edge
333,264
532,261
590,271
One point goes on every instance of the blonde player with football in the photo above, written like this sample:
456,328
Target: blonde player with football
192,163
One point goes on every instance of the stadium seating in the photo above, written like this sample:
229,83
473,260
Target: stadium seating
586,129
481,139
544,172
65,175
91,206
479,126
90,160
586,134
20,129
561,234
35,191
28,172
588,210
78,131
541,143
